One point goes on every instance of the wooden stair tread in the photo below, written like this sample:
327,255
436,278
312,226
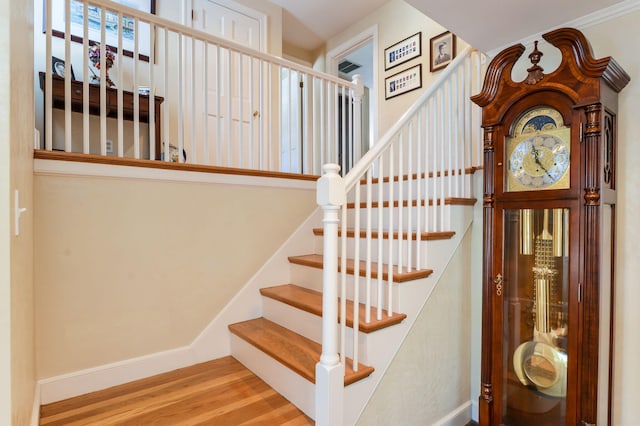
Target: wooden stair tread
311,301
291,349
315,261
424,236
450,201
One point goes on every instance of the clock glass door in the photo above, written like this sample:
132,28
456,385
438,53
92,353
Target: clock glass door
535,321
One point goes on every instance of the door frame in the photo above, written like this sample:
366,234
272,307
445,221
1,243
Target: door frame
337,53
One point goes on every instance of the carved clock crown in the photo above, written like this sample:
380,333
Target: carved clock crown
577,64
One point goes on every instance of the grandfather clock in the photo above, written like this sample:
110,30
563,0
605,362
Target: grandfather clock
549,236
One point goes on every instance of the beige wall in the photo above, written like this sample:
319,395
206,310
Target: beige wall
127,268
429,377
5,213
395,21
17,367
619,38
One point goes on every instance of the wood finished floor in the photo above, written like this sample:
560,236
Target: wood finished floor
220,392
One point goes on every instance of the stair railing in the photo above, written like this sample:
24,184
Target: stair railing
418,166
213,102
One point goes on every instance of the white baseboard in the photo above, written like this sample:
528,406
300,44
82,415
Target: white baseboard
459,416
105,376
35,412
474,410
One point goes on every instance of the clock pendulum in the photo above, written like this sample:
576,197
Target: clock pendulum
540,363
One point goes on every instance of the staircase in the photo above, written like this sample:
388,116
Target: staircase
328,328
283,345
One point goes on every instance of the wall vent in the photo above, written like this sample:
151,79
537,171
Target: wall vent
345,66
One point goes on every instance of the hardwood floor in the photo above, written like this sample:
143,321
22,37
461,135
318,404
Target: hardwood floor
220,392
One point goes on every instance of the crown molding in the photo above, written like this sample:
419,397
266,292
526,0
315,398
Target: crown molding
594,18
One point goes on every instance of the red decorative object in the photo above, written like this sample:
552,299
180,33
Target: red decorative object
109,58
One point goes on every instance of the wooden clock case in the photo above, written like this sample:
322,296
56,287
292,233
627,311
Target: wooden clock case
584,91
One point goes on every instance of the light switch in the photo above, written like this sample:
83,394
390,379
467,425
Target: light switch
18,211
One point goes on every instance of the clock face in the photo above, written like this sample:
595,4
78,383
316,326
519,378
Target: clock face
538,153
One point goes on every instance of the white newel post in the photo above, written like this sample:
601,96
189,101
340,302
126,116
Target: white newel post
358,93
330,371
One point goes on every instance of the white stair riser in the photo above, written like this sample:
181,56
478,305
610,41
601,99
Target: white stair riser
297,320
426,249
308,277
432,218
408,249
435,187
282,379
310,326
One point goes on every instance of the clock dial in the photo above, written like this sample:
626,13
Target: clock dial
538,155
539,161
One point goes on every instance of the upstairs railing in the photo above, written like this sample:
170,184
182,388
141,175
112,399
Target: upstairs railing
420,164
213,102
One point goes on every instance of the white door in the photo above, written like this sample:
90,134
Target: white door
233,137
222,21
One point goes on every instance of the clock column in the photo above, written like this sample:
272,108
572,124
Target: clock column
486,396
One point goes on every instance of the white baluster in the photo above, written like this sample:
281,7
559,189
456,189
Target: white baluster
358,93
380,236
85,83
205,104
103,86
48,84
368,250
420,200
67,76
136,94
119,93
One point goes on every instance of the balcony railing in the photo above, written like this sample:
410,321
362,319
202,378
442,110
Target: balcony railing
214,102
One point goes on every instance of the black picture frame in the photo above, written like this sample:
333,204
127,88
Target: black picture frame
145,5
403,82
58,66
403,51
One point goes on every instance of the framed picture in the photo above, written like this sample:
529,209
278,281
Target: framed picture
57,67
111,32
442,50
403,51
403,82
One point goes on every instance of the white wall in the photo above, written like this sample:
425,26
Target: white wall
5,213
619,38
396,20
429,376
17,352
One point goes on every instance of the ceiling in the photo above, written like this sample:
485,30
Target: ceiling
491,24
308,24
486,25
